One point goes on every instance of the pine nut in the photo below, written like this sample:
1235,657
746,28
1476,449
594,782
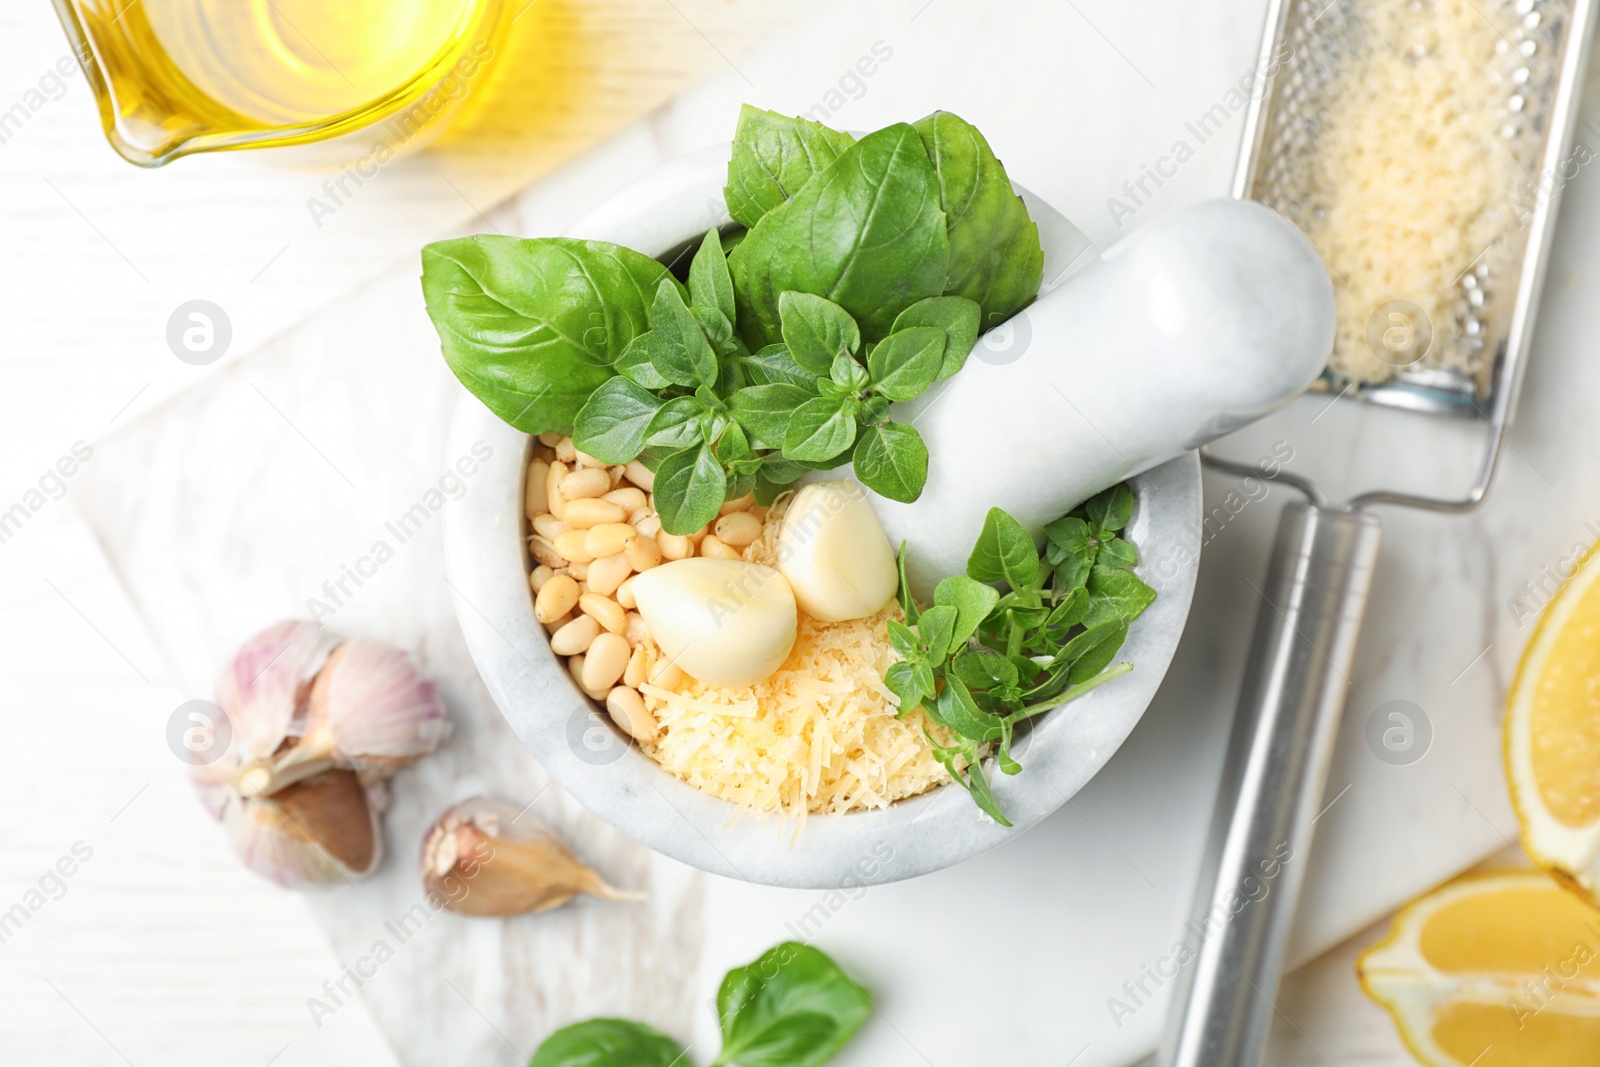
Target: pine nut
552,484
608,538
650,525
579,571
550,439
605,611
674,546
624,594
608,572
642,552
540,575
536,493
700,534
586,460
637,671
742,503
549,527
586,482
586,512
627,710
635,628
544,552
739,529
565,451
628,499
575,636
575,668
570,544
714,548
666,674
617,471
640,475
555,624
605,661
559,596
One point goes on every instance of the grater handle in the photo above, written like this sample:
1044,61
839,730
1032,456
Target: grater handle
1272,783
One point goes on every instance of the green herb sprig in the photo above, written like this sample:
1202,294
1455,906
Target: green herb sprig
792,1007
981,663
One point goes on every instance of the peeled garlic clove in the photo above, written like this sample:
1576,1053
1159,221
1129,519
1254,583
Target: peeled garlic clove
834,553
320,831
724,621
373,709
482,857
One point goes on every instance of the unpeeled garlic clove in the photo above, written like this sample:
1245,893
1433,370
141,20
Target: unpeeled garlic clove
834,553
320,831
724,621
482,857
371,709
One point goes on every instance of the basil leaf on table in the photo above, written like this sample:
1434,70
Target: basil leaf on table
532,327
792,1007
816,330
892,461
774,156
1116,594
819,430
867,233
678,346
612,425
676,424
690,487
764,411
608,1043
958,317
995,255
972,600
906,362
1110,509
634,364
1004,552
710,284
773,365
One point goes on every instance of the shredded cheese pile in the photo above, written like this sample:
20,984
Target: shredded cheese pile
1421,180
817,736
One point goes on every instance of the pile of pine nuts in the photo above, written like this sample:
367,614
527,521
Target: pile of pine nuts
595,527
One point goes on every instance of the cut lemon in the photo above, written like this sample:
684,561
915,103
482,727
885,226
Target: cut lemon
1552,738
1493,970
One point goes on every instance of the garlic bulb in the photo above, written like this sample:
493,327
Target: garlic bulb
725,621
317,724
482,857
834,553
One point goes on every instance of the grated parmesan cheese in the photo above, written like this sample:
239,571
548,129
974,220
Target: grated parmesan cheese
1417,181
817,736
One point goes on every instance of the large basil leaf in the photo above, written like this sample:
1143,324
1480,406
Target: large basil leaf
867,233
607,1043
892,461
793,1007
532,327
774,156
957,316
995,255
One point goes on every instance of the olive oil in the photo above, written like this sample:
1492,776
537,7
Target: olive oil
178,76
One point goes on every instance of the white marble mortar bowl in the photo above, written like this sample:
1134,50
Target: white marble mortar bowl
576,742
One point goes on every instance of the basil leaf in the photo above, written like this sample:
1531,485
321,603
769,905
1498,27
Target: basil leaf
715,325
818,431
634,364
982,795
1111,509
936,627
780,470
733,447
1118,553
774,156
982,668
892,461
676,425
1070,611
972,600
901,678
690,487
995,255
793,1007
710,284
905,642
848,374
607,1043
764,411
611,426
1091,651
1072,549
773,365
907,605
1116,595
906,362
678,346
867,233
961,713
532,327
1004,552
957,316
816,330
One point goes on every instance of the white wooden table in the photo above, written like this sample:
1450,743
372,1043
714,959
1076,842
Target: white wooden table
161,949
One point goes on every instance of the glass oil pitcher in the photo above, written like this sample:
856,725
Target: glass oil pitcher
178,76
